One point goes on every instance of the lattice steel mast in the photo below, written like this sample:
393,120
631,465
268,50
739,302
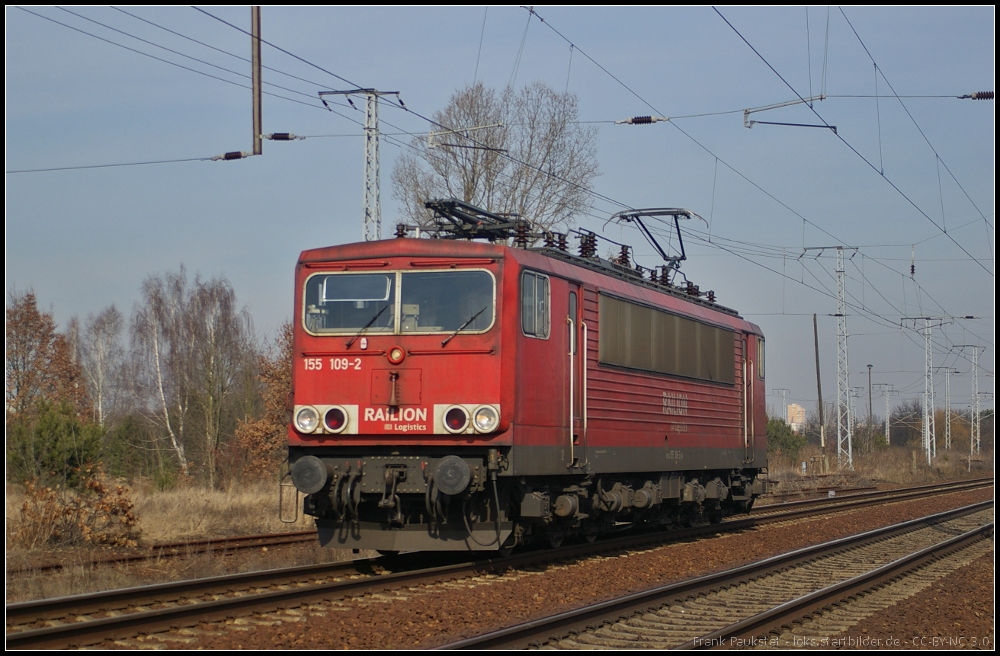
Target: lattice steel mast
373,202
845,457
974,436
929,434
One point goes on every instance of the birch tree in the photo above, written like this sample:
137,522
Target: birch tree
102,356
192,344
158,341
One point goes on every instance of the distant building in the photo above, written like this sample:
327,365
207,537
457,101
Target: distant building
796,417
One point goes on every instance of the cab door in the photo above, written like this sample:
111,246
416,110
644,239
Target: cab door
576,374
746,398
753,393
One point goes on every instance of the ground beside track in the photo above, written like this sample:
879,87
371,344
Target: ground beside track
954,613
435,615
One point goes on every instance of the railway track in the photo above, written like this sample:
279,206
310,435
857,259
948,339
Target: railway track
233,545
764,596
183,549
90,619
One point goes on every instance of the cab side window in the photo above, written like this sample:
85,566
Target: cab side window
535,304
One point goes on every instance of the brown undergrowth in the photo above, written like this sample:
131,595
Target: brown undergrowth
887,467
186,512
100,512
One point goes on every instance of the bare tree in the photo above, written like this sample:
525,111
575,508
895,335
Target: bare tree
158,340
222,351
192,345
513,152
101,356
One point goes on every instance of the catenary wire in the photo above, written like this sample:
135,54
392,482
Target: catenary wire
852,148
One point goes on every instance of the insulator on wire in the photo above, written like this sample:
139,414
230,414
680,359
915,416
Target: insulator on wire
561,239
400,230
711,296
282,136
233,155
641,120
978,95
550,241
588,244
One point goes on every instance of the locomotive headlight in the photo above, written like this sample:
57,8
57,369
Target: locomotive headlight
456,420
485,419
335,420
307,420
396,354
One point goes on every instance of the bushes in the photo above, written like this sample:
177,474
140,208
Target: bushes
782,440
52,445
99,513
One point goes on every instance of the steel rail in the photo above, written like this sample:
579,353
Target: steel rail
186,548
529,634
784,614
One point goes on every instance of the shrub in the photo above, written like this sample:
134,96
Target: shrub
782,440
54,446
100,512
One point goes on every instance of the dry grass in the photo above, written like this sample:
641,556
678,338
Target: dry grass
890,467
181,514
192,513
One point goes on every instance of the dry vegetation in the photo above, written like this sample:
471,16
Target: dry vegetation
885,468
193,513
184,513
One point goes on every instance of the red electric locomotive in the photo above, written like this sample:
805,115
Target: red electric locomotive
458,395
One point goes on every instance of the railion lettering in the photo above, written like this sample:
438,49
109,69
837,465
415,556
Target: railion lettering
395,414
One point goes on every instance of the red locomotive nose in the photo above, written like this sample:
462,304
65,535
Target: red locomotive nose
335,419
456,419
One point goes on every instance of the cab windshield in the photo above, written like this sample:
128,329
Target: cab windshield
397,302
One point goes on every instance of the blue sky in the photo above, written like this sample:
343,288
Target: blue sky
895,177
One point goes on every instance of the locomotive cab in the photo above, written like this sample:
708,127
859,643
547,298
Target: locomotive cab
397,407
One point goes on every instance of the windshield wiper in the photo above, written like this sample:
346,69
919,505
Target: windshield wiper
462,327
368,325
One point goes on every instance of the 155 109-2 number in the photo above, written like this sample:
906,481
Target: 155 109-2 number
336,364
